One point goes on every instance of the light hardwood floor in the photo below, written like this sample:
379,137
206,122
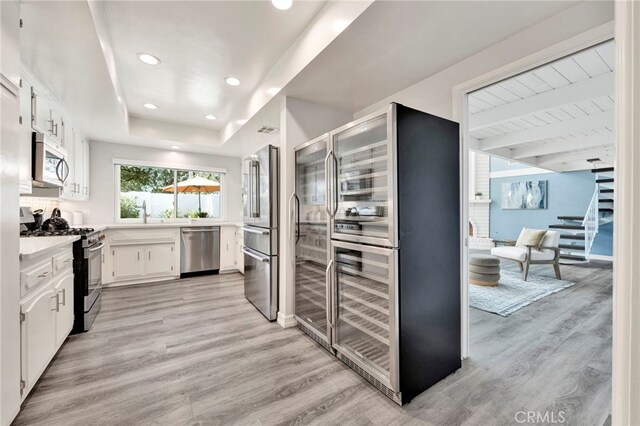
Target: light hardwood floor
195,352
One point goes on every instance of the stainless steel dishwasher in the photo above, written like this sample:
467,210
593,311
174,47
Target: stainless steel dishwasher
199,249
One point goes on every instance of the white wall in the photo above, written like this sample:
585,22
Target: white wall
434,94
101,205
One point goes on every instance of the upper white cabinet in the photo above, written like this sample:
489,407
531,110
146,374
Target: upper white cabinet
10,53
85,169
26,175
42,114
68,187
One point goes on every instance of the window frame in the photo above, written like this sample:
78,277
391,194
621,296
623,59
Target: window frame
117,162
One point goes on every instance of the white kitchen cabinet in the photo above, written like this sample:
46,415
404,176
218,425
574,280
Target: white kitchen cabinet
64,303
26,139
77,161
128,262
67,191
85,169
227,248
41,113
38,334
57,126
46,310
10,36
238,247
159,259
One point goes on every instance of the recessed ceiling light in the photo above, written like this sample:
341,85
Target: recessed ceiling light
232,81
148,59
282,4
241,122
150,106
175,147
273,91
210,117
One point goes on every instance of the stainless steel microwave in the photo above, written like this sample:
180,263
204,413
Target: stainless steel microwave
49,165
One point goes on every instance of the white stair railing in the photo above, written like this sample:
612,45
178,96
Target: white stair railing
591,222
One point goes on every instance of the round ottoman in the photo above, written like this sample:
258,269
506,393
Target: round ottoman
484,269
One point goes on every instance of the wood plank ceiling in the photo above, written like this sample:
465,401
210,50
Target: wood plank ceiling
555,117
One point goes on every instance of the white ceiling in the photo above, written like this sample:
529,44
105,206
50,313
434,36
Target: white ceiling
199,44
395,44
388,47
555,117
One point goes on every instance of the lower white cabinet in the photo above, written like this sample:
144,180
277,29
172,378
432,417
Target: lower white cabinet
64,306
128,262
46,312
227,248
38,334
159,259
238,248
138,262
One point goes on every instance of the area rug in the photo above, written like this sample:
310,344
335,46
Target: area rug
512,293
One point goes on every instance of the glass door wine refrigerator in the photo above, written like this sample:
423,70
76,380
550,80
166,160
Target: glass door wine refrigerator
377,235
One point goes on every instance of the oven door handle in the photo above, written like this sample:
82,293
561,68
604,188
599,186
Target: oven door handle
100,247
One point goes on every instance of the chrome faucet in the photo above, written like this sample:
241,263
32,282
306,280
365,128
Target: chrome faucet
144,212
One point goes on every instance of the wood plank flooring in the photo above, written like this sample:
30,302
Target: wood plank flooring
195,352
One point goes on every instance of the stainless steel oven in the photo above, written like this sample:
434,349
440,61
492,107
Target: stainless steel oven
88,257
49,163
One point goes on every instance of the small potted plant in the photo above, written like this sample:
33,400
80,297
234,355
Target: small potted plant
478,195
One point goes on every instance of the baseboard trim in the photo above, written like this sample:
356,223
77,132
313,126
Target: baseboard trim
287,321
601,257
141,281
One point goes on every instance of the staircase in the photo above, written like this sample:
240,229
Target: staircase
577,233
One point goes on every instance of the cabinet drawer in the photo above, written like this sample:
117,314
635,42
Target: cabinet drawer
35,275
62,260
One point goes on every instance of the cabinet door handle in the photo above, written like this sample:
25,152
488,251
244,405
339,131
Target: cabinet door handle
138,256
44,274
57,297
149,255
64,296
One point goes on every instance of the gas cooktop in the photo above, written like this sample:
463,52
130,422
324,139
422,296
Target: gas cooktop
70,231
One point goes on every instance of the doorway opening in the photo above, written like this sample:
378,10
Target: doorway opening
540,230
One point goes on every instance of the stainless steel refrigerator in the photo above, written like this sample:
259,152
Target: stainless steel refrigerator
260,210
377,259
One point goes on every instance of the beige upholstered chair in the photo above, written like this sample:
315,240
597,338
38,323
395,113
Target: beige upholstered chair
548,253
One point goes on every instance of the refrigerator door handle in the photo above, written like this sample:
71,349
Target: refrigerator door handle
335,184
250,188
327,204
329,294
264,259
297,217
256,188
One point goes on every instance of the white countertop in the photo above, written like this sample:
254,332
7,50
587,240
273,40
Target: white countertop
31,247
102,227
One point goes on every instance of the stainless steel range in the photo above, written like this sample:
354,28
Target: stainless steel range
88,258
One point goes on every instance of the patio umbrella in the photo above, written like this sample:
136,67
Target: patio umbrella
197,184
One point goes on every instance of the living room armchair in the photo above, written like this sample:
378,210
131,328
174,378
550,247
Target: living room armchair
548,253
